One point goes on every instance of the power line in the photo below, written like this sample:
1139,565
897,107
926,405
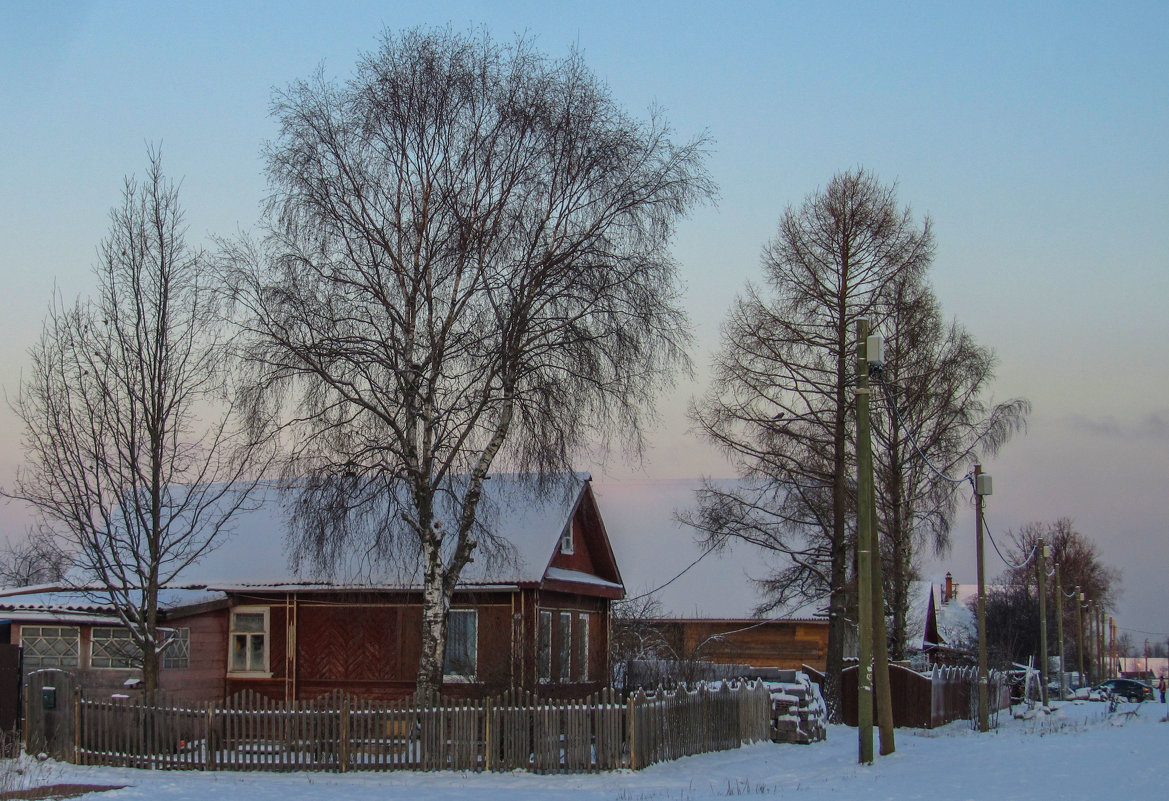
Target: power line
889,396
704,554
1006,561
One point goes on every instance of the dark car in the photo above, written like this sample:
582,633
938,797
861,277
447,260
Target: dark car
1131,689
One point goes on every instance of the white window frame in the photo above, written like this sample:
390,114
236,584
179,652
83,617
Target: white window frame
564,647
177,655
57,660
582,650
251,670
473,646
119,653
544,646
567,546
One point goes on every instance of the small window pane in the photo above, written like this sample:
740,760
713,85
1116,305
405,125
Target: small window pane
239,652
256,653
178,653
462,645
250,622
544,648
565,642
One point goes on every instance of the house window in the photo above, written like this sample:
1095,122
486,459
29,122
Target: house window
112,648
566,539
50,646
462,643
177,655
249,640
565,643
582,647
544,647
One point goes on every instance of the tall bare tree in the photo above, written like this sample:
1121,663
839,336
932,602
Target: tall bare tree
1080,565
134,464
36,559
781,398
932,423
465,268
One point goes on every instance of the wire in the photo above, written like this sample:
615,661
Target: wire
889,396
1006,561
1150,633
704,554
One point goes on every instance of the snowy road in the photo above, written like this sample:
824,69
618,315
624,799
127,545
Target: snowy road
1079,752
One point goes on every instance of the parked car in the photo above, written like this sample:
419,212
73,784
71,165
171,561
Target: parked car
1131,689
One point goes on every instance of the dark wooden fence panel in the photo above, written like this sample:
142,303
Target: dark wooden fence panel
925,700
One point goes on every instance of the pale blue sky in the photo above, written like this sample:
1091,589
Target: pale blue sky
1034,134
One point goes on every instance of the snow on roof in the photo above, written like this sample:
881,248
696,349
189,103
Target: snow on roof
956,623
527,520
254,549
653,549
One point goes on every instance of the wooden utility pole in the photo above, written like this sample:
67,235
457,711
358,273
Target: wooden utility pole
1041,567
1059,628
882,688
864,568
1080,633
981,483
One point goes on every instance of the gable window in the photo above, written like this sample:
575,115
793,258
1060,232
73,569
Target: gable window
544,647
462,644
565,643
178,652
248,640
582,647
50,646
566,539
112,648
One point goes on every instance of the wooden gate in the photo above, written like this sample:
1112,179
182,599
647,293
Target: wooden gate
50,724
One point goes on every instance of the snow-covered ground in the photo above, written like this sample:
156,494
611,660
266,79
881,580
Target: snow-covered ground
1077,752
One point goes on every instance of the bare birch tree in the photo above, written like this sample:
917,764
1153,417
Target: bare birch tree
932,424
133,462
465,268
781,399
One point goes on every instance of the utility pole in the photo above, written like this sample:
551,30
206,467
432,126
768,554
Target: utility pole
1080,632
1041,566
1101,651
1059,628
864,568
1090,608
875,355
982,487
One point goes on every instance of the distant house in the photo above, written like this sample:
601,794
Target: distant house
785,643
946,632
535,616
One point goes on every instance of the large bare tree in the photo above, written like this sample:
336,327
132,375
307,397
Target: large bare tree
134,464
781,395
465,269
932,423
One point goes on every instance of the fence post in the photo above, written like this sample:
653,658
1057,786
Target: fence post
344,734
488,762
633,731
76,725
209,738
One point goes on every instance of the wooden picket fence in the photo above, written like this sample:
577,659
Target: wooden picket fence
516,730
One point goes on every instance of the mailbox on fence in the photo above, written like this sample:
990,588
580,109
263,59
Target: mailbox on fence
48,697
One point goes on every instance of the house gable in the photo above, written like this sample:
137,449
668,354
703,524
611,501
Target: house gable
589,565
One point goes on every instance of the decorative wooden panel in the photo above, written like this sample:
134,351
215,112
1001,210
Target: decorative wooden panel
347,643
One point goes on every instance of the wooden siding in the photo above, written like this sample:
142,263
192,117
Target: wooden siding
787,644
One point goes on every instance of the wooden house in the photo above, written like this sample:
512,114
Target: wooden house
785,643
535,615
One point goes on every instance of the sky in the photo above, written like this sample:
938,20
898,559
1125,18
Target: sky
1034,135
1080,751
